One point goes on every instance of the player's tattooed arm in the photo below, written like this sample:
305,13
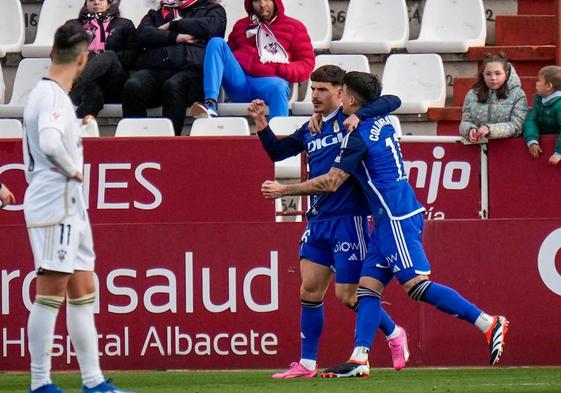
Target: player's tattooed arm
329,182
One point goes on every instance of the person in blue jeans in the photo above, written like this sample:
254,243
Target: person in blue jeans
265,53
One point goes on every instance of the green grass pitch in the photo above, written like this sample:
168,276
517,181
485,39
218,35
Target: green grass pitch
487,380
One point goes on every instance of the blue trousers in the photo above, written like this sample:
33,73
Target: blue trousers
222,68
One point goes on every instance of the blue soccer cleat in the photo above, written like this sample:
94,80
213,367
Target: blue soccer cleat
104,387
49,388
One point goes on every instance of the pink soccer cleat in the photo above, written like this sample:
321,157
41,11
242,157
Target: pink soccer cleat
400,351
296,370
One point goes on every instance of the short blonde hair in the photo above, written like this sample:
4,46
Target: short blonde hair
551,74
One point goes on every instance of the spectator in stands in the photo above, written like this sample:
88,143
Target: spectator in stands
174,35
496,105
112,52
6,196
545,116
265,53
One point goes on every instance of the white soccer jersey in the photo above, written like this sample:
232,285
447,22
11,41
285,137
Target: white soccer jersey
51,195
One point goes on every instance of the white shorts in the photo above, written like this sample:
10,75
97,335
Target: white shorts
64,247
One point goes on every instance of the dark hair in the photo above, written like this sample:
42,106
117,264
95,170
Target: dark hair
362,85
480,87
329,74
551,74
70,40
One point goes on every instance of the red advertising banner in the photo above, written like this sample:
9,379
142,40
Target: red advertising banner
184,179
226,296
195,179
519,185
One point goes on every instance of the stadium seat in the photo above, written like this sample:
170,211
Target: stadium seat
418,79
145,127
54,13
235,11
220,126
450,26
346,62
364,33
2,86
28,74
10,128
12,29
232,109
289,168
116,110
316,16
133,10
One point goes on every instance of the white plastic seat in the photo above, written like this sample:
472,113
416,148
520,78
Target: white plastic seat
54,13
133,10
373,26
12,29
220,126
316,16
289,168
450,26
145,127
418,80
28,74
116,110
10,128
235,11
346,62
233,109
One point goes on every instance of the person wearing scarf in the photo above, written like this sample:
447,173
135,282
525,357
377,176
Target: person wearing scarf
265,53
173,36
112,53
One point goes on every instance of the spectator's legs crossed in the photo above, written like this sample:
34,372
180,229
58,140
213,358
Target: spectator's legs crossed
179,92
274,91
142,91
91,101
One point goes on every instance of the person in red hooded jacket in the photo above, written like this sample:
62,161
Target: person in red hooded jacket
265,53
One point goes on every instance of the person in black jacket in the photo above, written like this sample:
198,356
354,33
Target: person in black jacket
173,37
112,52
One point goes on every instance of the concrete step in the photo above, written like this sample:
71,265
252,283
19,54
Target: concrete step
462,85
536,7
525,30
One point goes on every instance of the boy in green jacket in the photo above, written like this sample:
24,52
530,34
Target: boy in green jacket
545,116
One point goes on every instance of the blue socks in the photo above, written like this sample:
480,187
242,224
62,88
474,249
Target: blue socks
368,318
387,325
445,299
311,325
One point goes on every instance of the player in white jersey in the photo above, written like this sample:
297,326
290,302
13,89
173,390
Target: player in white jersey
55,214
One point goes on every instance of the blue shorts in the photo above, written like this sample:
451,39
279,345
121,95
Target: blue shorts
396,249
339,244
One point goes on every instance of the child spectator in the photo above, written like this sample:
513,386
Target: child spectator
496,105
112,52
545,116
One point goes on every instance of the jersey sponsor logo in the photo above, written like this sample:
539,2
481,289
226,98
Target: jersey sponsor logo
377,128
346,247
56,115
353,258
326,141
396,269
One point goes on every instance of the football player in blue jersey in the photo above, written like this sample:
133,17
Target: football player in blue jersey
372,155
336,237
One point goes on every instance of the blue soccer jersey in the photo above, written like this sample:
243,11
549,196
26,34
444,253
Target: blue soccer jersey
372,154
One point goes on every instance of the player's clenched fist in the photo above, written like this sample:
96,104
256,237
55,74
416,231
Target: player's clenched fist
271,189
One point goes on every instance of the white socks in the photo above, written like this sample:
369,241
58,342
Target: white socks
394,334
40,335
360,354
81,328
484,322
308,363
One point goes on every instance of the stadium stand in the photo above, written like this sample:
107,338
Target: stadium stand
133,10
220,126
53,14
145,127
346,62
29,72
316,17
450,26
234,11
233,109
366,34
10,128
12,29
418,79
